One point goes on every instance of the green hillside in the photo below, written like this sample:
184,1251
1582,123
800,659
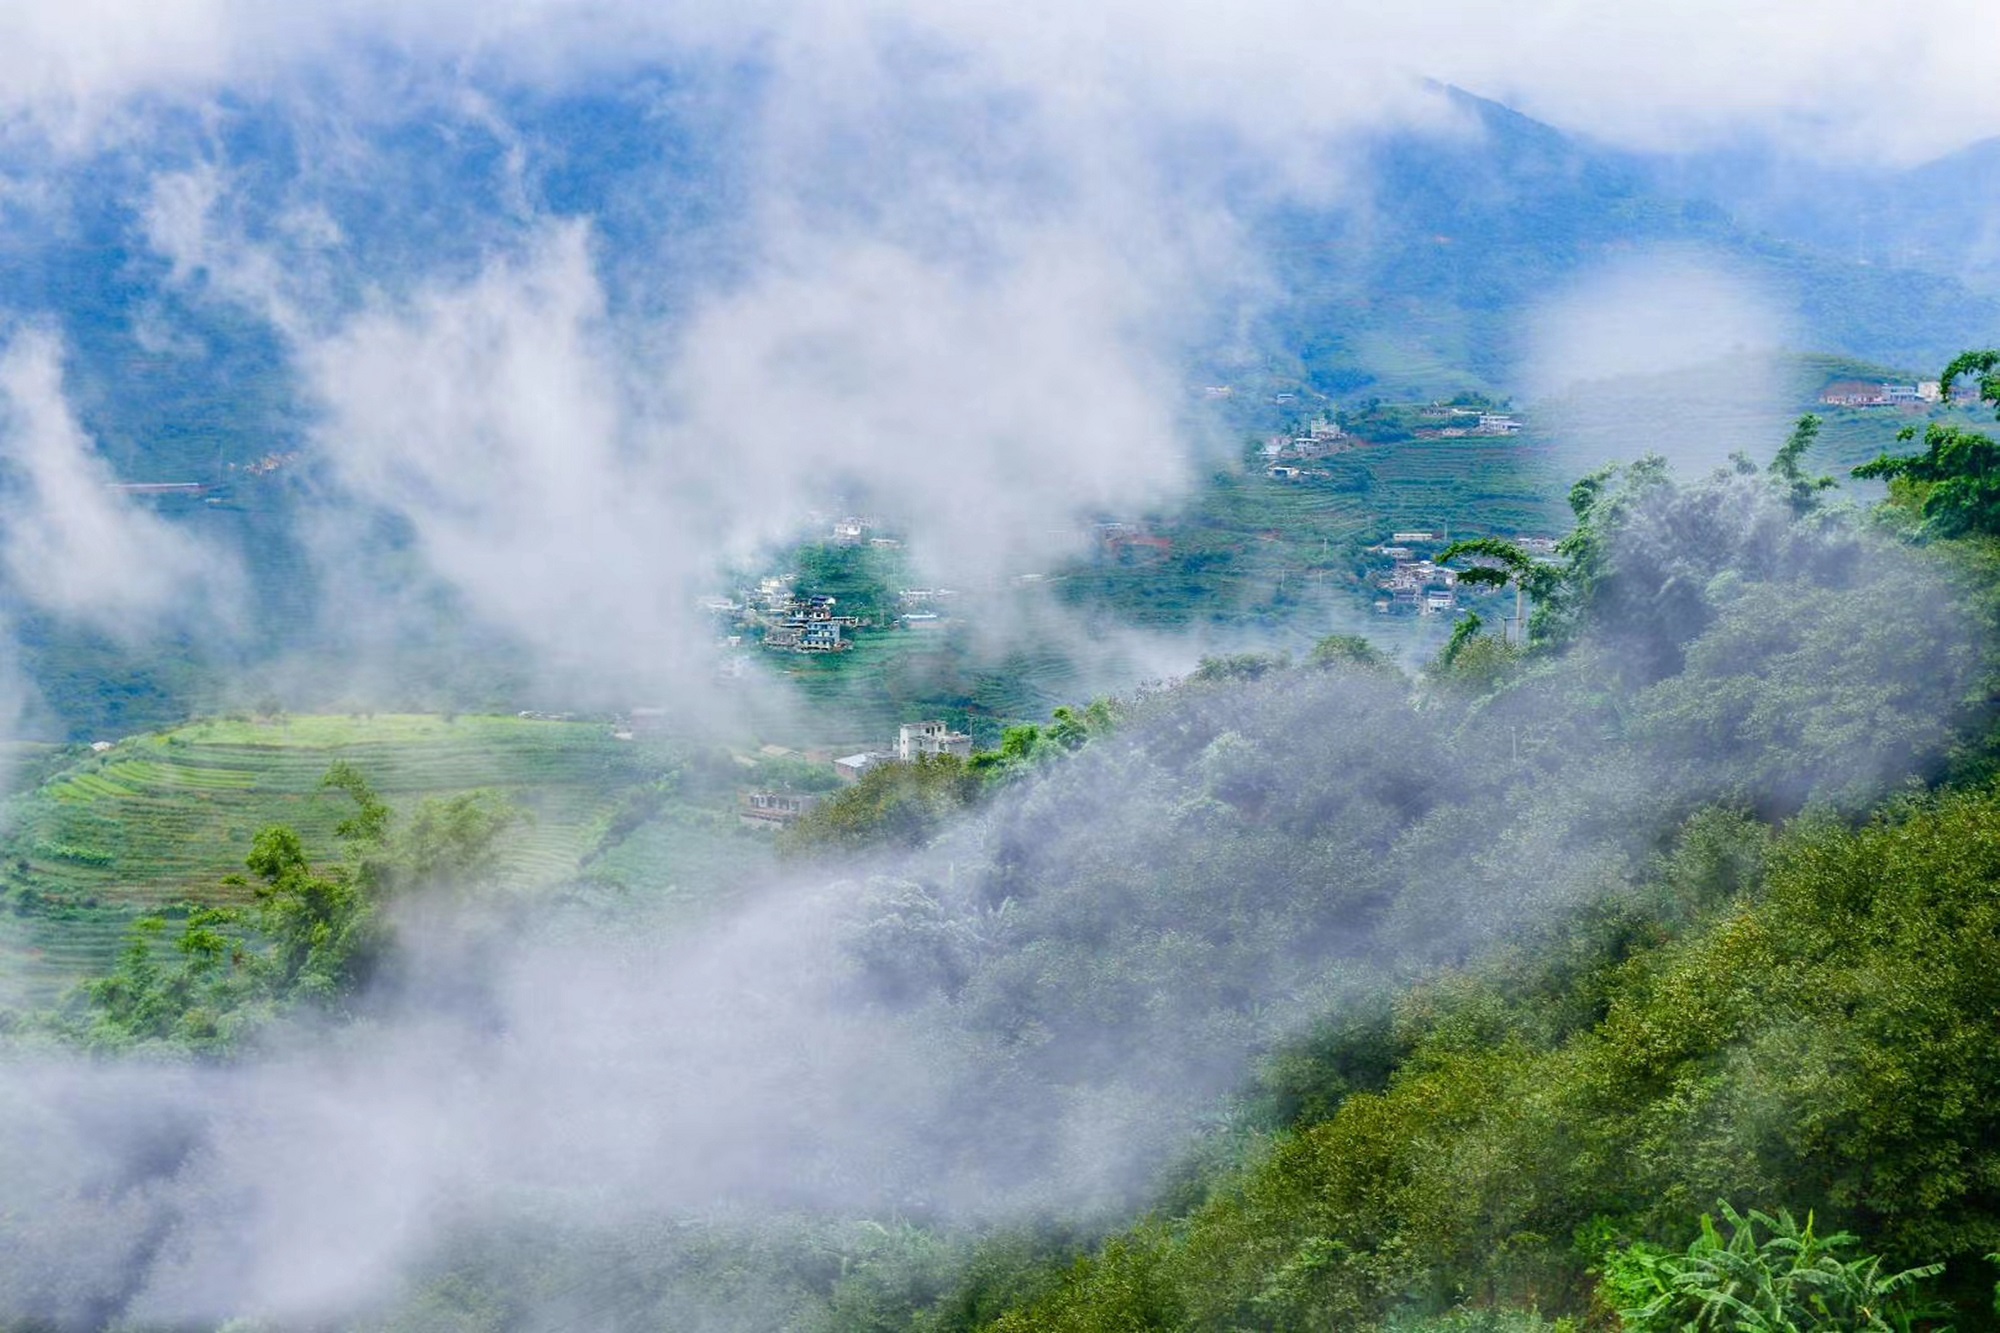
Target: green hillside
160,819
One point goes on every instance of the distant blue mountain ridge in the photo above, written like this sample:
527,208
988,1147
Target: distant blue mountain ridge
1420,288
1426,286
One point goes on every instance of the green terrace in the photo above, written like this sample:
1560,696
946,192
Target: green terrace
163,819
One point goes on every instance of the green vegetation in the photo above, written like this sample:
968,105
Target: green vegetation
310,937
1251,551
1790,1280
158,822
904,805
1541,961
1787,1010
1790,1018
1954,485
1788,466
861,579
889,677
1784,1009
1481,994
892,803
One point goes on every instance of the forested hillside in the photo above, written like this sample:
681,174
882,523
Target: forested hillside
941,668
1296,995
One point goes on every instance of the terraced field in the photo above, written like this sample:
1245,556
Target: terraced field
163,818
1254,554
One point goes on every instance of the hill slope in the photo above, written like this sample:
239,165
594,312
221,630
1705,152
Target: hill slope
164,818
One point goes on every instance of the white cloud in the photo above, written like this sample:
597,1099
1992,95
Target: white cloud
579,486
1838,75
73,545
1670,352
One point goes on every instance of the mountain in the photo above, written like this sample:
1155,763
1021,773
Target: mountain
1942,216
1420,282
1426,285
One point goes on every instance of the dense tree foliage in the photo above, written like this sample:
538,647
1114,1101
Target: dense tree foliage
1816,1029
1954,484
896,804
1476,992
312,935
1782,1010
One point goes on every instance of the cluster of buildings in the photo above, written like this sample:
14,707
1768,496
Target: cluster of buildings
808,624
269,463
924,608
1462,421
1864,393
1414,583
1284,455
790,622
782,619
914,740
853,531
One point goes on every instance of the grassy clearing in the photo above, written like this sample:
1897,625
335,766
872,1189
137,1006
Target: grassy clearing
163,818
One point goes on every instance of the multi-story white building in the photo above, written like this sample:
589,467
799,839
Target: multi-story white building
922,738
771,809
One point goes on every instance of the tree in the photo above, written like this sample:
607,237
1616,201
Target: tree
313,934
1462,634
320,924
1788,469
893,803
1955,482
1348,650
1075,728
1472,663
1510,564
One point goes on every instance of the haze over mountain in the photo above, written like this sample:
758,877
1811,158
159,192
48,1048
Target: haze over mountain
212,284
925,667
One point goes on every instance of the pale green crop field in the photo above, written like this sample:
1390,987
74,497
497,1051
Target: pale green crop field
165,818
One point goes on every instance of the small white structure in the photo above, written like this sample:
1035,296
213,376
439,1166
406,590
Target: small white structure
851,767
771,809
915,739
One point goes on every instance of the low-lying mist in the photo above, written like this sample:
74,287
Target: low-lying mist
1036,1014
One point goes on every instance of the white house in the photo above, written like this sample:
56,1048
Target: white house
920,738
853,766
771,809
